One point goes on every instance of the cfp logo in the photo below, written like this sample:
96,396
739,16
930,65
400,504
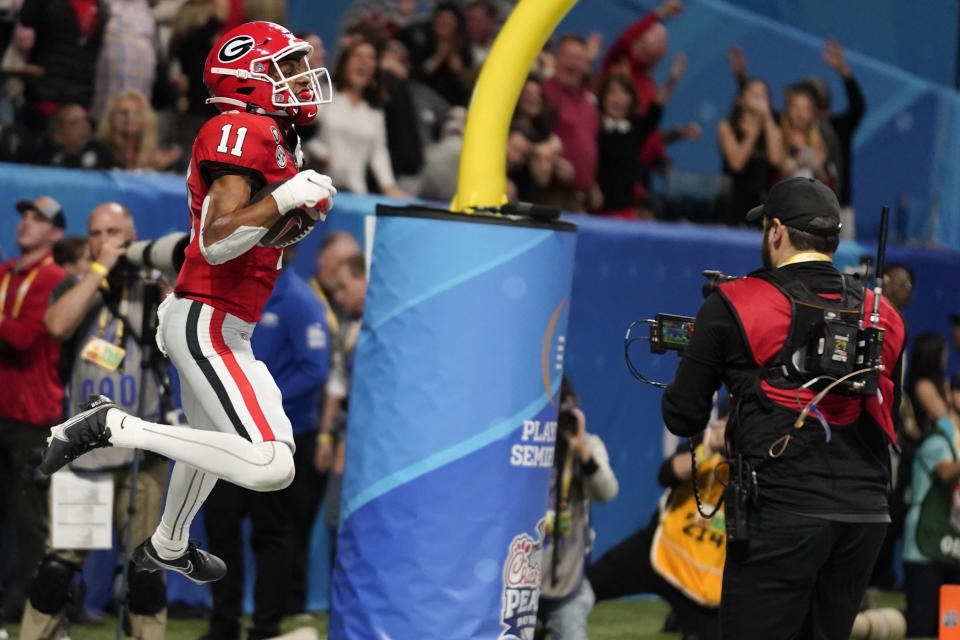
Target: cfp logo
235,48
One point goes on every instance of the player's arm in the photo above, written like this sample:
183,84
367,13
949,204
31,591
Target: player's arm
228,210
231,225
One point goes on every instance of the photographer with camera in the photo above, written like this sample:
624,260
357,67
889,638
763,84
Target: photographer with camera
581,475
98,317
806,507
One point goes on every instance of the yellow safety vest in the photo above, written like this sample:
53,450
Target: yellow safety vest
688,550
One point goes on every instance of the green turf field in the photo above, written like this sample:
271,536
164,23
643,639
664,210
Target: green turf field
619,620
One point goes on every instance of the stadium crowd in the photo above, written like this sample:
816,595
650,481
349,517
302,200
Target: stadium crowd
102,84
117,84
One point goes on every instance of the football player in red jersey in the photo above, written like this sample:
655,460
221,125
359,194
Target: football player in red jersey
259,77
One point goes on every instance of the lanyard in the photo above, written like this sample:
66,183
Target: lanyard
22,290
806,256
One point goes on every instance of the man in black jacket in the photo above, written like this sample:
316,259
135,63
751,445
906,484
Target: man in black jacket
816,496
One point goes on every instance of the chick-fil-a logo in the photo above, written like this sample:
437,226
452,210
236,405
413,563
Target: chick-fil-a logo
521,586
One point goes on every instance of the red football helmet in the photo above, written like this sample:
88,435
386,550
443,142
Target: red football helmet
237,73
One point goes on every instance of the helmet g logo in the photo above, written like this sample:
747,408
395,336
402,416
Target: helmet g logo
235,48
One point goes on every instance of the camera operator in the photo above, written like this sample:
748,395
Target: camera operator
806,508
581,474
88,314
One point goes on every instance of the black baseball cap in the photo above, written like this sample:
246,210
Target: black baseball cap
798,202
954,318
46,207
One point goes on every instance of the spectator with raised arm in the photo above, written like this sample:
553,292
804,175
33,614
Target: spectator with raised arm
637,51
843,124
805,150
751,146
622,136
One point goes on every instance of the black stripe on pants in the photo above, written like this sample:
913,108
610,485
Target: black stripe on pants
193,343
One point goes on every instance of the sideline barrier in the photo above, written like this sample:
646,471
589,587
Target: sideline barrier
452,420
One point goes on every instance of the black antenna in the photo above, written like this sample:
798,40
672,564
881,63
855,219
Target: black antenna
881,251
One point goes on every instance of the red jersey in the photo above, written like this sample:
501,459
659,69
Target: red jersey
233,143
31,391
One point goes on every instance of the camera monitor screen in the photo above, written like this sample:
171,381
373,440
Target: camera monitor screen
674,331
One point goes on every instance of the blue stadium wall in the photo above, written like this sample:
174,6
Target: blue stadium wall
623,271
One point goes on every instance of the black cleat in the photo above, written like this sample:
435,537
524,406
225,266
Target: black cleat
82,433
195,564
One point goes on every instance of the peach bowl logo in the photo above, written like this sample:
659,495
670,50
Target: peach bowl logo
521,586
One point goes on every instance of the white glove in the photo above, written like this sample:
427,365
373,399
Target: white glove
308,190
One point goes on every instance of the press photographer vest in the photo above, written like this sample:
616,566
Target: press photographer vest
688,550
121,384
774,309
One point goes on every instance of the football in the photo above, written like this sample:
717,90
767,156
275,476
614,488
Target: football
292,226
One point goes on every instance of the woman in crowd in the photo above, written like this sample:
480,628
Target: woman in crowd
751,145
443,61
934,461
353,134
537,170
533,116
129,128
806,152
622,136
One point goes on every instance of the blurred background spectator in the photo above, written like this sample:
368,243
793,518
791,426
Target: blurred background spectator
31,396
129,130
442,166
350,294
73,255
405,137
842,126
441,58
196,27
128,55
806,151
68,35
935,461
577,121
352,128
70,142
481,28
623,134
751,146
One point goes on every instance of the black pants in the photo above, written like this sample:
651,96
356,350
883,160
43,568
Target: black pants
922,582
224,512
23,505
625,570
306,492
797,577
